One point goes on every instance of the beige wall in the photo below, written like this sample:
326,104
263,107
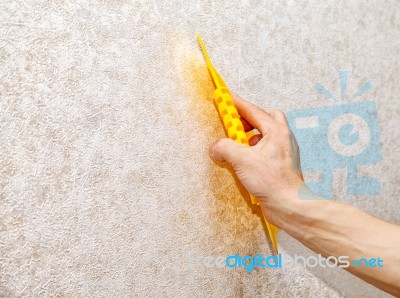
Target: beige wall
106,117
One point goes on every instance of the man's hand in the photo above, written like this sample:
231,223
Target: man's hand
270,168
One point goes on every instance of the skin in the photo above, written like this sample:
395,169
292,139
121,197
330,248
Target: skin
270,170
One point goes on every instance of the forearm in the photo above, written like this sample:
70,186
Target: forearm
333,229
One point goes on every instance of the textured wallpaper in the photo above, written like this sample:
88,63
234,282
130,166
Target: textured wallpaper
106,116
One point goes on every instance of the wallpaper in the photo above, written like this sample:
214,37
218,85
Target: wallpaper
106,116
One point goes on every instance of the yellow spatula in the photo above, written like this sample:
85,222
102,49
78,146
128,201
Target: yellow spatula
233,126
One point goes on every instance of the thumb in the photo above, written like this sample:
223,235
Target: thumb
225,150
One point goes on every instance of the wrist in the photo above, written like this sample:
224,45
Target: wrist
291,205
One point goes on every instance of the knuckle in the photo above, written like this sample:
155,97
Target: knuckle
218,145
282,115
214,147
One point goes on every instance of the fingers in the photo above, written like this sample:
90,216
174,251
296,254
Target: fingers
256,117
225,150
253,114
247,126
255,139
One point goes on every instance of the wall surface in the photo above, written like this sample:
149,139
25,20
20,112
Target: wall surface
105,121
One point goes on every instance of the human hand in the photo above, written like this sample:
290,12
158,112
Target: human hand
270,168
